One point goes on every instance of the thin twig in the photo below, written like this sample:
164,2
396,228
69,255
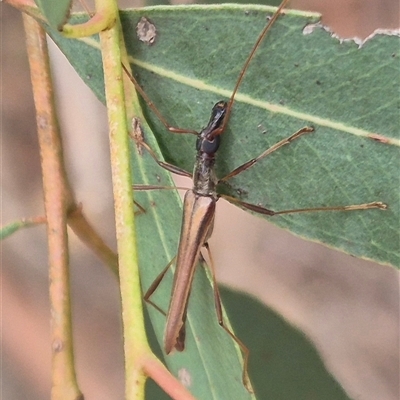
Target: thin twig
64,383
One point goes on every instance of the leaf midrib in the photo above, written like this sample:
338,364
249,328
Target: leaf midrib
273,108
246,99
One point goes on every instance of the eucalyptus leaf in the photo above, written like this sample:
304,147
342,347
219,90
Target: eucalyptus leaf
298,77
283,364
56,12
349,93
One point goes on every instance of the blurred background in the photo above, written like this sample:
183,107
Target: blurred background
349,308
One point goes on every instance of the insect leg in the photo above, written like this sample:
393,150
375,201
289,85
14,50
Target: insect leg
220,316
153,287
270,150
262,210
157,112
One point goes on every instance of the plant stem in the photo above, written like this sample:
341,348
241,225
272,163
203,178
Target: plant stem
135,340
56,198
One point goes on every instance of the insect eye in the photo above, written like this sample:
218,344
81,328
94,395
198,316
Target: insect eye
211,146
208,146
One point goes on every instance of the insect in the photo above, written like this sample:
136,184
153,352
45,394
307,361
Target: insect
199,208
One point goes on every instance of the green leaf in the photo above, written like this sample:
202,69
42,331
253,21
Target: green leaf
348,93
283,362
296,79
56,12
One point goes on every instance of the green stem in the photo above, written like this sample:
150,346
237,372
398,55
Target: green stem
135,340
104,19
9,229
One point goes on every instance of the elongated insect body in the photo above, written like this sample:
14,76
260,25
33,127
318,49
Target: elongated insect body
197,225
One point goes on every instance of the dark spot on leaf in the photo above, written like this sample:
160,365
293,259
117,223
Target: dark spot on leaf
146,31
